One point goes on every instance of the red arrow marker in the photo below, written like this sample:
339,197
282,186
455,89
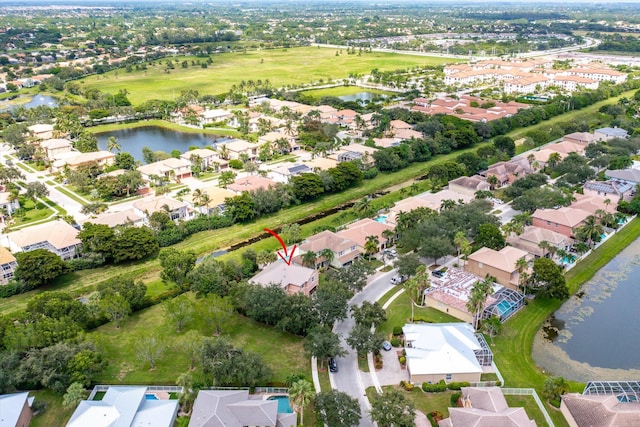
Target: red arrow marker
286,257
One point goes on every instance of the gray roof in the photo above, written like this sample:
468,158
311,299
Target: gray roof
11,407
601,411
609,187
124,406
235,408
629,175
615,132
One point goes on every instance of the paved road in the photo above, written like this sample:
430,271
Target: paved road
347,379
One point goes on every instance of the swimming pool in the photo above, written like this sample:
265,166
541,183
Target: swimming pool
284,407
505,307
381,219
568,260
151,397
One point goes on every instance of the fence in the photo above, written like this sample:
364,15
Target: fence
167,388
530,392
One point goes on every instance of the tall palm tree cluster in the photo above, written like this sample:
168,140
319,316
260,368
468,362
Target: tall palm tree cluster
478,298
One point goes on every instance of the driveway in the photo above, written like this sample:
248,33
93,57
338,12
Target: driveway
348,379
391,372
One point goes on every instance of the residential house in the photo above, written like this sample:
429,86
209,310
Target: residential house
469,185
499,264
397,125
450,292
251,183
126,406
593,204
573,83
344,250
171,169
8,265
285,172
599,73
346,117
584,138
8,203
406,205
41,131
54,147
601,410
566,147
630,175
208,158
321,163
354,151
486,406
74,159
445,351
435,200
216,200
15,409
146,207
541,157
360,230
272,139
127,217
239,148
563,220
405,134
236,408
508,172
215,116
55,236
529,84
294,279
615,191
386,142
532,236
606,134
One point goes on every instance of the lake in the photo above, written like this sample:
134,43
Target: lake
156,138
361,96
36,101
594,334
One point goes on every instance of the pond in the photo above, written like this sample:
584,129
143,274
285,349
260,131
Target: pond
156,138
595,331
34,102
362,96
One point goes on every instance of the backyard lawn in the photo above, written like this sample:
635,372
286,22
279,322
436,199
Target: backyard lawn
54,413
281,67
399,313
282,352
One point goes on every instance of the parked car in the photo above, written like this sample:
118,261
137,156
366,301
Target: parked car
333,365
396,280
386,345
391,252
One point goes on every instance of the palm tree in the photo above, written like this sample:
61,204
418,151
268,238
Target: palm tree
309,259
371,245
591,231
492,180
301,392
390,235
521,266
606,204
223,152
554,159
415,286
362,206
478,297
328,256
459,240
197,197
112,144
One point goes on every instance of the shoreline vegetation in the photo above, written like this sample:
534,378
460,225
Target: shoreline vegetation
164,124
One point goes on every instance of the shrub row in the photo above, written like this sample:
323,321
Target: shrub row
443,386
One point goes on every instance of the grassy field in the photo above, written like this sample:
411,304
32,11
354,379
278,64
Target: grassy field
165,125
282,352
280,66
399,313
341,91
31,212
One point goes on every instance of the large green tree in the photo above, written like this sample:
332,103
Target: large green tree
39,267
549,279
337,409
322,343
179,311
392,409
176,266
134,243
